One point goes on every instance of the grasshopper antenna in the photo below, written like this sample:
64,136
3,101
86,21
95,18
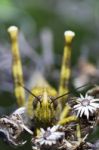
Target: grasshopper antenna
70,92
29,91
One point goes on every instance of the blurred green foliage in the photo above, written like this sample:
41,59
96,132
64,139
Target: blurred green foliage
32,16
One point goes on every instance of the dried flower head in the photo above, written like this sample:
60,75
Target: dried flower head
86,105
12,126
50,136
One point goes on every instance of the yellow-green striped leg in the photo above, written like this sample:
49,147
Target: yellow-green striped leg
65,69
16,66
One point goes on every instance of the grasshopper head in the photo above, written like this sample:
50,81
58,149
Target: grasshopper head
43,107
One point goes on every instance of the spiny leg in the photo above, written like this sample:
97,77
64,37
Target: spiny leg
65,69
66,120
64,112
64,79
16,66
78,132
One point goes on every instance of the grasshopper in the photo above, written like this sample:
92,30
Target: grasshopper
53,122
44,104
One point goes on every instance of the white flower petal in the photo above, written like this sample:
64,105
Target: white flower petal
86,105
54,142
86,112
26,128
86,96
55,136
46,142
48,129
79,108
42,142
82,97
82,112
20,111
79,111
95,105
78,105
54,128
94,100
90,97
42,130
39,140
50,143
91,109
50,138
79,100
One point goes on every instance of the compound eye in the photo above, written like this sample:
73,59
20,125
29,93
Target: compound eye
55,104
35,101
